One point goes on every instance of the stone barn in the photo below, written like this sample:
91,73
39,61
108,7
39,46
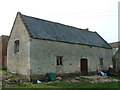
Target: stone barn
38,46
3,51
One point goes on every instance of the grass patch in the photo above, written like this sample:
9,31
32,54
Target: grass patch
118,77
31,85
73,82
2,68
86,85
10,75
69,85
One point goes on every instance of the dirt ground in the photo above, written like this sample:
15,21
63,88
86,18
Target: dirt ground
11,79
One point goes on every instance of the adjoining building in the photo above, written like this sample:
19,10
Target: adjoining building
115,46
116,56
3,51
38,46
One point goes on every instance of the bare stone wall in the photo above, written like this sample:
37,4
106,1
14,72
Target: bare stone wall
19,62
43,57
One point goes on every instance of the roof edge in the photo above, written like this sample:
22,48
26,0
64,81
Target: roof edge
71,43
4,36
26,26
18,13
103,40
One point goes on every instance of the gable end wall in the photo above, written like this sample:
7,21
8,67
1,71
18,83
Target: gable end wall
19,62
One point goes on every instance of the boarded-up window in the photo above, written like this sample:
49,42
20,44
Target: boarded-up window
59,60
101,61
16,46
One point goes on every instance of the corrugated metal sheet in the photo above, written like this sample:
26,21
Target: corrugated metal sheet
54,31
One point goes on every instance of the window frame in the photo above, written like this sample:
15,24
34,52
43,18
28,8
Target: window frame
16,46
59,61
101,61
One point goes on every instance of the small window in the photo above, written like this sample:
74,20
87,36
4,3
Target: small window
16,46
59,60
101,61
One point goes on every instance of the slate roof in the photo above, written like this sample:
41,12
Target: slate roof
43,29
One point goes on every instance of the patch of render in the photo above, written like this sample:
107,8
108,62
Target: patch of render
19,62
43,57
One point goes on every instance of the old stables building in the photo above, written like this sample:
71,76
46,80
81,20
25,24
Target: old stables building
38,46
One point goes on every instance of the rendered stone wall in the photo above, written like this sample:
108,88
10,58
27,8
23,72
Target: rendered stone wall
19,62
43,55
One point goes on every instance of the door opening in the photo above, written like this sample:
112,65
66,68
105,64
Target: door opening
84,66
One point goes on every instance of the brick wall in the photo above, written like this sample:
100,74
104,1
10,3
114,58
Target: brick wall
3,51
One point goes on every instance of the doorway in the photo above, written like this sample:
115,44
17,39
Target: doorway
84,66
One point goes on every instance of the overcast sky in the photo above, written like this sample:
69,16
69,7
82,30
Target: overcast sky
97,15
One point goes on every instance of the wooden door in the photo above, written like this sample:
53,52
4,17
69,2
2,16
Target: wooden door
84,66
